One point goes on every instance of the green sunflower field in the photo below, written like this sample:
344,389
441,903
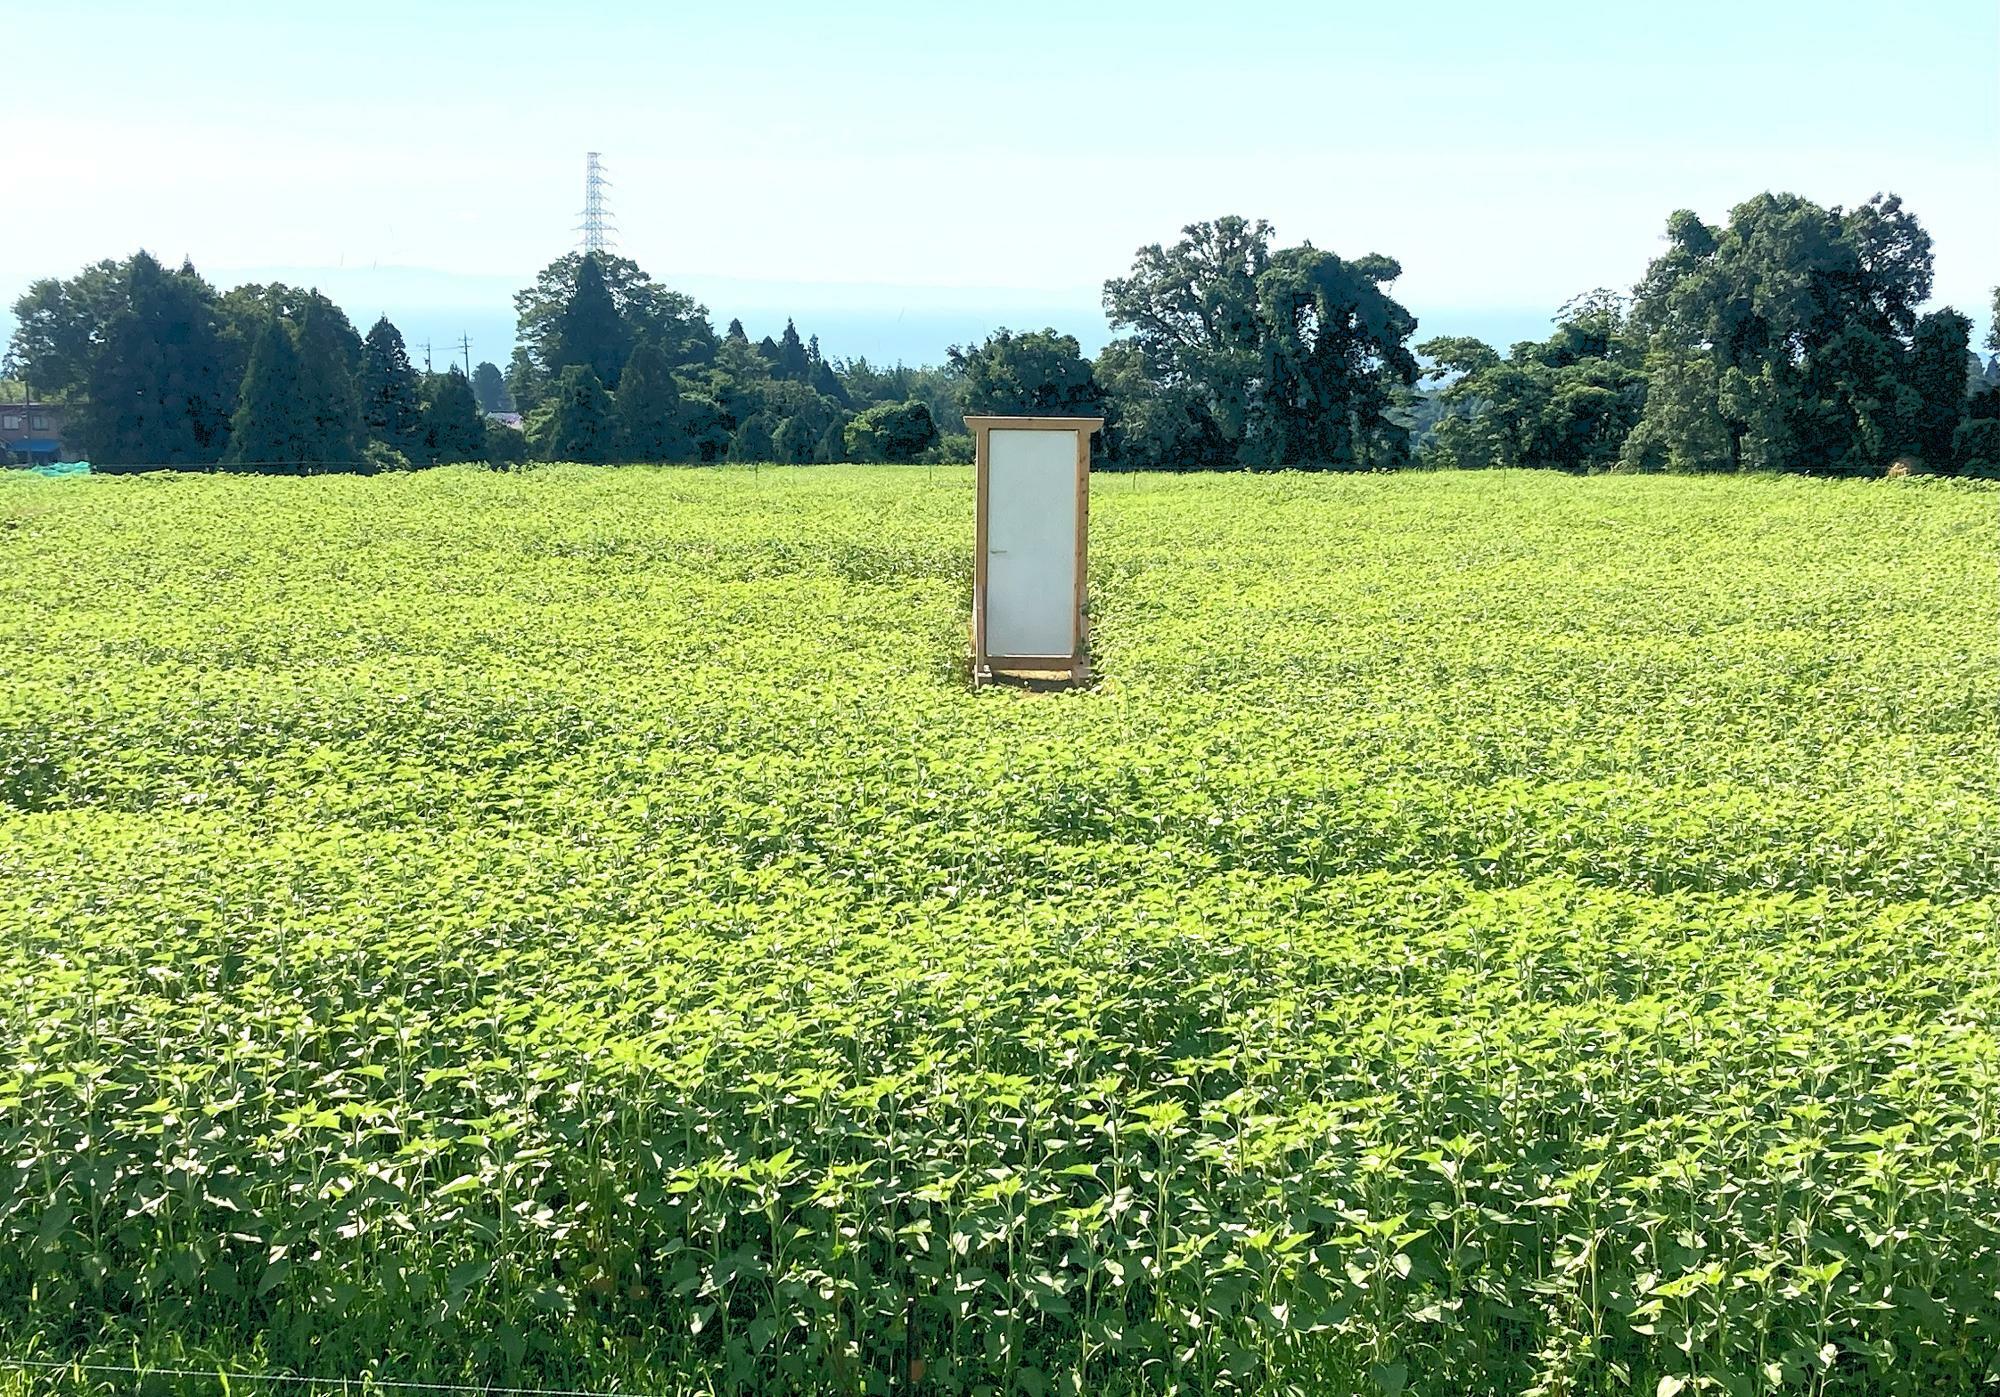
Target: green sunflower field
578,929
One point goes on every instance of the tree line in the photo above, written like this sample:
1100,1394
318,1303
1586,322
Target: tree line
161,370
612,366
1787,338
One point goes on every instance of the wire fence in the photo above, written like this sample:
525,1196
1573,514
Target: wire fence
226,1379
298,468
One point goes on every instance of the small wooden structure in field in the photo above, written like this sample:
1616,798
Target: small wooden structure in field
1032,531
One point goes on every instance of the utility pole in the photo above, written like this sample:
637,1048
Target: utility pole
426,347
465,345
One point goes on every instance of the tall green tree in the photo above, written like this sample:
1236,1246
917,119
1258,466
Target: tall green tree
1594,325
1039,371
1262,357
332,401
1778,341
454,428
833,442
792,360
941,390
1335,354
505,445
675,323
156,382
577,420
1938,348
490,388
392,410
823,377
649,410
1192,312
1976,443
245,309
525,380
707,427
591,331
274,430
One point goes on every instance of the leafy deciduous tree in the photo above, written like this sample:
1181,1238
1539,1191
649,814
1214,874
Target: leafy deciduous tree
808,433
1335,354
1778,340
1151,424
1039,371
505,445
1192,311
490,388
1259,357
752,439
1568,402
706,425
894,432
61,324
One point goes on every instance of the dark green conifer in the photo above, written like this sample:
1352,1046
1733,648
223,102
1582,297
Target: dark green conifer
577,419
591,332
392,412
649,425
273,429
156,381
454,427
333,405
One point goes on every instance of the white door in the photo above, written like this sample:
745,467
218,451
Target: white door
1031,600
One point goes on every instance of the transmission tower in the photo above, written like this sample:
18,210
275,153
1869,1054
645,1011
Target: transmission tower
597,228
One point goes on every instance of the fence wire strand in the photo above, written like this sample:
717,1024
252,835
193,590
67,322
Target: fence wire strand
52,1365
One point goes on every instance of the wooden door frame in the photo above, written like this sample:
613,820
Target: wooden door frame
1075,666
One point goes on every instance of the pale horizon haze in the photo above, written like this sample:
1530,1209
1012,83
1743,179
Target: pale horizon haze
900,177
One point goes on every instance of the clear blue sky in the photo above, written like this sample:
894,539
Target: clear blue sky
903,173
